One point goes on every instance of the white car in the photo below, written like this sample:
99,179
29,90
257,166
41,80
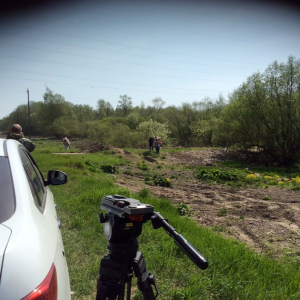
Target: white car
32,257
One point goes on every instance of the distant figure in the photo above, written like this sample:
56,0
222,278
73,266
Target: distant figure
16,133
66,143
151,141
160,141
157,145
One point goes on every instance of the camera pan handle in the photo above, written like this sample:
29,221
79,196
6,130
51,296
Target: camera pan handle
180,241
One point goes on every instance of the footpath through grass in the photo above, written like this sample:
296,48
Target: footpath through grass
234,271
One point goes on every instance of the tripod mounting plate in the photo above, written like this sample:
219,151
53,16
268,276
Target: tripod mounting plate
122,206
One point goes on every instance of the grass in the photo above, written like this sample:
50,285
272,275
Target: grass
234,271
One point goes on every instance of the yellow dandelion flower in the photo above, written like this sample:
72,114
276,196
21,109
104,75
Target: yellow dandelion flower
250,176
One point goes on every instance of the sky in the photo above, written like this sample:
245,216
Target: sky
179,51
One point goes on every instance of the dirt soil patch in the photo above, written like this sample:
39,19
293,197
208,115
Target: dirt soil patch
267,226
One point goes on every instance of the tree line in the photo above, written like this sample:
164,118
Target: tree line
263,113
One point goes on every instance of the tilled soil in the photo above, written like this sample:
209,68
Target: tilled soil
268,226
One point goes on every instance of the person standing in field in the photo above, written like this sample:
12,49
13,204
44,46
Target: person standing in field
157,146
66,143
151,142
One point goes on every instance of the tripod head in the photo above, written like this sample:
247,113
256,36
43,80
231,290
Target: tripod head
124,219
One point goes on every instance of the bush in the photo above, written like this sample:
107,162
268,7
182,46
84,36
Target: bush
160,181
217,175
109,169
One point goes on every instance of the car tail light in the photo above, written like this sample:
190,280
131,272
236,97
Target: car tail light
47,290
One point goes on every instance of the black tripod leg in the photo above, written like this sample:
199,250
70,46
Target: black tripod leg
144,279
113,276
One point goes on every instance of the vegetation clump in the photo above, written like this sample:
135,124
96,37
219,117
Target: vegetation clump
142,165
240,176
160,181
105,168
183,209
157,180
223,212
217,175
109,169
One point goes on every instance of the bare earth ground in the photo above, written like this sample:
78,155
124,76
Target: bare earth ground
268,226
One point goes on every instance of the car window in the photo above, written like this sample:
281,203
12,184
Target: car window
7,198
35,179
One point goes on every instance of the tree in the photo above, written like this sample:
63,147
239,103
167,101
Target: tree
104,109
142,111
36,118
265,111
209,112
20,116
179,121
154,129
66,127
54,107
125,106
133,120
158,103
111,131
84,113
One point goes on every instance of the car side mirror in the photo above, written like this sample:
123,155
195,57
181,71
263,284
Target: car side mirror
56,178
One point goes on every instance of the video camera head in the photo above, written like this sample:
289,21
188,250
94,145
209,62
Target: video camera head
125,218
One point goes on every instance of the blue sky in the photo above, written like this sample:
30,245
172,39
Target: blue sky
180,51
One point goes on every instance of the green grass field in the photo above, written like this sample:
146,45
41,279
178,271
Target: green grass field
234,271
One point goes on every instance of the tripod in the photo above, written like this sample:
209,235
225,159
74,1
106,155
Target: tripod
121,226
116,271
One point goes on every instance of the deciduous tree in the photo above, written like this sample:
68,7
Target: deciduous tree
104,109
125,106
264,112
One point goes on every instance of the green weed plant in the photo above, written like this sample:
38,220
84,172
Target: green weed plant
183,209
161,181
143,166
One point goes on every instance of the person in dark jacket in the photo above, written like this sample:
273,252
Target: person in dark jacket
16,133
151,142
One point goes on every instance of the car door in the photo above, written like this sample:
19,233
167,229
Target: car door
35,244
44,201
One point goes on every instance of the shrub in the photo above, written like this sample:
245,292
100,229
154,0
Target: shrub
160,181
109,169
217,175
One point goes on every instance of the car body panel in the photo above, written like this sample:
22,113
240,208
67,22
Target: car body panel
4,238
35,242
7,196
